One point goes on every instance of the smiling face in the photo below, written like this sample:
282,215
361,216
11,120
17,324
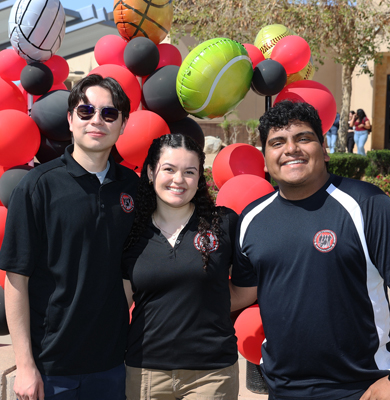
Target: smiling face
295,159
95,135
175,178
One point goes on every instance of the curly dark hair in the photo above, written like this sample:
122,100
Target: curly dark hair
119,97
146,202
285,113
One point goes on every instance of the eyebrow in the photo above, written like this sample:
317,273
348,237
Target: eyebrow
299,134
173,165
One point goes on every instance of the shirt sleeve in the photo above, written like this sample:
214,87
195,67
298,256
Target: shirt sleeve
376,216
243,273
24,231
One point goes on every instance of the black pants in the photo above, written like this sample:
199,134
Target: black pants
350,141
355,396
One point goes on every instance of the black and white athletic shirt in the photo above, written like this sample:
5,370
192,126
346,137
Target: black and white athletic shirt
321,265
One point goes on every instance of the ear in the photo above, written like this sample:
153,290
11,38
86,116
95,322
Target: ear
124,123
326,156
150,172
70,121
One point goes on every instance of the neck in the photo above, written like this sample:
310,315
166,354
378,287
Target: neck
302,192
91,161
169,215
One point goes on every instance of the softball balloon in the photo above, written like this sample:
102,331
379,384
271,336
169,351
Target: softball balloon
305,73
151,19
269,36
214,78
36,28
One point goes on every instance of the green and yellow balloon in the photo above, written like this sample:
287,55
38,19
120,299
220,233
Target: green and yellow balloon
214,78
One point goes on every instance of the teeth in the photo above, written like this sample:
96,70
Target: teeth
176,190
294,162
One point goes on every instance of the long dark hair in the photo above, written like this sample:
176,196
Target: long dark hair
361,115
146,202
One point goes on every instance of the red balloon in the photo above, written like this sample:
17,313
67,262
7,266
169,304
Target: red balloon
293,52
59,67
250,334
169,55
11,65
11,98
19,138
237,159
131,311
109,50
314,93
242,190
2,277
254,53
125,78
3,217
141,129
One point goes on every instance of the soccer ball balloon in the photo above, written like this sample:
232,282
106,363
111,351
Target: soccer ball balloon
36,28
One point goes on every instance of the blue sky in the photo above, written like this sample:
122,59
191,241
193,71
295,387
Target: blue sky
76,4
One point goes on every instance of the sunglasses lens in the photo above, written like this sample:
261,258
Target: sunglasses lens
85,111
110,114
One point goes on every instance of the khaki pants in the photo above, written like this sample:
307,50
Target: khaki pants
154,384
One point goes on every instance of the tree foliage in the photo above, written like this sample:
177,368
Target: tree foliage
349,32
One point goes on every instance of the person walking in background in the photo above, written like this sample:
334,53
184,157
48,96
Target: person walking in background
181,342
362,129
332,134
351,132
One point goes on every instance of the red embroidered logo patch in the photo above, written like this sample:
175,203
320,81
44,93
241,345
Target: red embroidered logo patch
127,203
213,245
325,240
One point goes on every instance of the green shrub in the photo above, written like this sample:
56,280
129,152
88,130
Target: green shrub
383,182
348,165
378,163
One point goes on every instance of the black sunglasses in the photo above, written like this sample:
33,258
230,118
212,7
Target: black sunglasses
87,111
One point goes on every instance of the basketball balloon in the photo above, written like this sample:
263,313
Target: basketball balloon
36,28
151,19
237,159
269,36
214,78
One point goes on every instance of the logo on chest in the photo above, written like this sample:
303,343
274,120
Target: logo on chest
127,203
325,240
212,246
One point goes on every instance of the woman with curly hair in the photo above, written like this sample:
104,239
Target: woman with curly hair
181,342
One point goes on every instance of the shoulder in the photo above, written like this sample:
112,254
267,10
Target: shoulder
260,203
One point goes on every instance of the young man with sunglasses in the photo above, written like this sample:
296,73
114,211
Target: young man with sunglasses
67,223
316,254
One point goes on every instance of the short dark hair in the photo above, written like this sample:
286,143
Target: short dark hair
119,97
285,113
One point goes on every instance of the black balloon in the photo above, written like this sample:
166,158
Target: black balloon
3,322
159,94
269,78
9,180
36,78
141,56
50,149
187,126
50,114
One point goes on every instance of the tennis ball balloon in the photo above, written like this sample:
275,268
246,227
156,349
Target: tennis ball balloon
214,78
151,19
269,36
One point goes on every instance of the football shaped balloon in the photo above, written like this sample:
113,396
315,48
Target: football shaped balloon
151,19
214,78
36,28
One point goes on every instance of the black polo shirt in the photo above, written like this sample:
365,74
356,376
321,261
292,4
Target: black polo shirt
66,232
181,318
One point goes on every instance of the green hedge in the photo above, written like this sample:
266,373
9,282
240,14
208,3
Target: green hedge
376,162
